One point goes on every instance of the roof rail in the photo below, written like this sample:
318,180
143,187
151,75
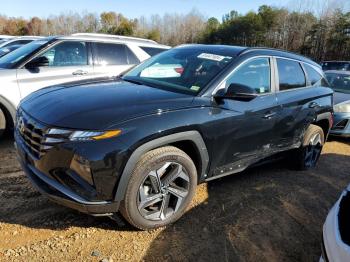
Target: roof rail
115,37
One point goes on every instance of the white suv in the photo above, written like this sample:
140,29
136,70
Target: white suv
56,60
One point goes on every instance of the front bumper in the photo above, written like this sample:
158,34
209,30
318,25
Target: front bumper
63,196
341,125
334,248
86,201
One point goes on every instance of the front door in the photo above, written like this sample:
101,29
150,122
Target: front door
68,61
249,127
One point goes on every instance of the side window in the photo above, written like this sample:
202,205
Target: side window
254,74
114,54
291,75
152,51
315,78
67,54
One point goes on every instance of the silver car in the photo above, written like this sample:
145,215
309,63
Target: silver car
57,60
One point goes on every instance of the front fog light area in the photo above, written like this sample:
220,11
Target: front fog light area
81,166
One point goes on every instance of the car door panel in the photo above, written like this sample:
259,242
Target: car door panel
68,61
246,133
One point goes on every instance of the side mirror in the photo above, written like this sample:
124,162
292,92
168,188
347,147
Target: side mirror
236,92
38,62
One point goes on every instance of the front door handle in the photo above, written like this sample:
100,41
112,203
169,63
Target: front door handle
269,115
313,105
80,73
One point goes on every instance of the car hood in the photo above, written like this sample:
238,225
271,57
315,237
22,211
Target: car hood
340,97
98,105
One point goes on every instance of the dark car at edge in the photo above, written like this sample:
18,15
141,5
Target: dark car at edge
140,143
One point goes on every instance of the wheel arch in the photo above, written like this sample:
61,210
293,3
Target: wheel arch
325,121
7,111
191,142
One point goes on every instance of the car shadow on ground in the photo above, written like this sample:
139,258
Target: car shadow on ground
266,213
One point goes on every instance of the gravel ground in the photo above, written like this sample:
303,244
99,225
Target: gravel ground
270,213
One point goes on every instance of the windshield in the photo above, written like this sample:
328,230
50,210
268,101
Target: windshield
186,70
12,58
339,82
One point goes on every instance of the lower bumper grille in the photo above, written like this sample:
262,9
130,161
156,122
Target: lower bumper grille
341,125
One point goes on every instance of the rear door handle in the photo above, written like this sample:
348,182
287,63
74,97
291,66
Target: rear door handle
80,73
313,105
269,115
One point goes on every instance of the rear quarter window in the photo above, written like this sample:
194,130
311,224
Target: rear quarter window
291,74
315,78
114,54
152,51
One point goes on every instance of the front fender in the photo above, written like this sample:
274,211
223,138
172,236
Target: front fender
193,136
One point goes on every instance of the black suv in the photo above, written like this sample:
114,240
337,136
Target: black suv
141,143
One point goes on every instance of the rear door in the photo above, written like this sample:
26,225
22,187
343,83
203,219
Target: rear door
112,59
68,61
298,100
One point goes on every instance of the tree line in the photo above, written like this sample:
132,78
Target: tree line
322,36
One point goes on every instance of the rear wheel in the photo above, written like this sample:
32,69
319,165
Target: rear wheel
308,154
160,189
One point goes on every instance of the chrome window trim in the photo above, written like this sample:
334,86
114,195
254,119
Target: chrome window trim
222,84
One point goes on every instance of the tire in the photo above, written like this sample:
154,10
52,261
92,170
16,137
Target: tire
306,157
157,176
3,124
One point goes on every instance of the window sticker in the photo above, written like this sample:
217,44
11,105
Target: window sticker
213,57
195,88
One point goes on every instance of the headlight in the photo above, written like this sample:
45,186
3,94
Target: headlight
342,107
58,134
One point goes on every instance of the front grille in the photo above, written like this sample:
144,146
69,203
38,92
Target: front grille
35,135
341,125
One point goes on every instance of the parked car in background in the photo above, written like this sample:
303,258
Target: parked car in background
56,60
142,142
336,65
340,83
6,50
4,38
336,231
21,40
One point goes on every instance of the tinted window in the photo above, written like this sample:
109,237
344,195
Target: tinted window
291,75
67,54
336,66
152,51
114,54
339,82
314,77
254,74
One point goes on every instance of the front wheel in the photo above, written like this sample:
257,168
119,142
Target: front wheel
160,189
308,154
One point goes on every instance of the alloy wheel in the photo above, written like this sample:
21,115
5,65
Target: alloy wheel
163,191
313,150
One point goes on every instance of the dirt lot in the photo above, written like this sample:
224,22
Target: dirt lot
268,213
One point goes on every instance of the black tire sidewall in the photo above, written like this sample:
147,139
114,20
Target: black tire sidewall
311,131
140,172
